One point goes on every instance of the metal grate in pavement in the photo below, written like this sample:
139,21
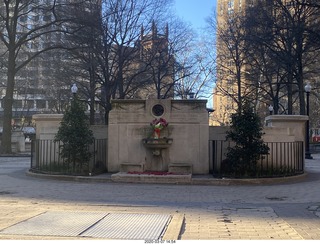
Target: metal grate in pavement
130,226
93,224
55,224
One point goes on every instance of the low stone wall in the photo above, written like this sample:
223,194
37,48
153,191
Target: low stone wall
47,125
188,132
278,128
281,132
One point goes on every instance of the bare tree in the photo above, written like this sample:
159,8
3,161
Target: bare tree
198,72
283,37
167,62
121,71
109,49
232,58
308,3
21,42
264,72
80,62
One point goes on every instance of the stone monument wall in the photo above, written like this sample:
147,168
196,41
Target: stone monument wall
129,124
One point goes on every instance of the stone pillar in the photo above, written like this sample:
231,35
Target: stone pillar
47,125
286,128
295,124
18,141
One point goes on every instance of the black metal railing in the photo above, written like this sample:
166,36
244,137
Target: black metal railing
284,158
314,147
45,158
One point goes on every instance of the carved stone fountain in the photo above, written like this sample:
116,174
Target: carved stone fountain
156,145
134,145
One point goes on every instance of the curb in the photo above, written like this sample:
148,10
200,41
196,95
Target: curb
174,228
255,181
179,180
16,155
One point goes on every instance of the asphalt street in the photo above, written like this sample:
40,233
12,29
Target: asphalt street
283,211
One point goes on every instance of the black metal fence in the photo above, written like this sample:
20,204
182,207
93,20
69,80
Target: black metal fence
315,147
45,158
284,158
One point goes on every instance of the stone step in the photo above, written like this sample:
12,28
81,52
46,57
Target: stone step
180,168
132,167
144,178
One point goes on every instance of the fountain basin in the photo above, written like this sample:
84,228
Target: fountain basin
156,145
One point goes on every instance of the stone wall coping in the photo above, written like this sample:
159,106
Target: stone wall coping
190,101
47,117
130,101
287,118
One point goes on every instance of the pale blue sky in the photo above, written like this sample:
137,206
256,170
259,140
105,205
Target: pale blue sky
195,11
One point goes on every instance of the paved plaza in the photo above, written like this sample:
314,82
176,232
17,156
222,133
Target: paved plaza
46,208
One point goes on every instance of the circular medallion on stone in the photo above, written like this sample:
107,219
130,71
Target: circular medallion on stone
157,110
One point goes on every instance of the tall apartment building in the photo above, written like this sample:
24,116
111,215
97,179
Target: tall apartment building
226,87
37,88
34,85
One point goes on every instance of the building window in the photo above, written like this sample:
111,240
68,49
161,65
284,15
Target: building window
17,104
52,104
221,8
30,104
41,104
230,6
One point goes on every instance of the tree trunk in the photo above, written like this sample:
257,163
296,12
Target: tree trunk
301,94
239,94
289,96
8,102
107,110
300,80
92,95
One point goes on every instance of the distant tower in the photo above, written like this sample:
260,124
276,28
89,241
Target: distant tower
154,42
155,57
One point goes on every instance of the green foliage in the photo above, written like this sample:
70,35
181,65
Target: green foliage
75,135
246,133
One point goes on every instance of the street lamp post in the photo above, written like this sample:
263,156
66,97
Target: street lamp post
74,89
270,109
307,89
191,95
